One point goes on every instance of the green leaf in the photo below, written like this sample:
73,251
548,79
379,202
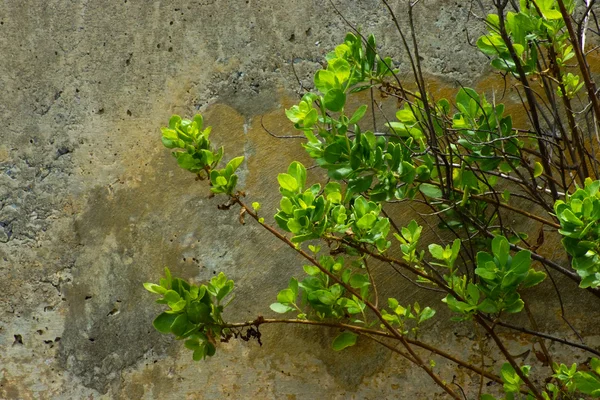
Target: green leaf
334,100
426,314
358,281
187,161
325,297
501,248
406,116
172,296
286,296
298,172
533,278
538,169
179,325
225,290
294,226
287,182
198,312
488,306
163,322
492,45
431,191
311,270
587,383
311,118
325,80
595,364
234,163
341,69
178,306
174,121
436,251
444,106
521,262
360,184
193,343
221,181
358,114
366,221
286,205
210,349
343,340
467,101
552,14
281,308
514,307
485,273
568,216
199,353
473,292
153,288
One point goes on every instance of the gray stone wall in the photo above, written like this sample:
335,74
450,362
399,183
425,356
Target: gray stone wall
92,205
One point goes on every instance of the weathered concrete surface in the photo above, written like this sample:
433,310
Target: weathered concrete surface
91,205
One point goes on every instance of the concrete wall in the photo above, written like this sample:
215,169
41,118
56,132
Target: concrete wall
92,205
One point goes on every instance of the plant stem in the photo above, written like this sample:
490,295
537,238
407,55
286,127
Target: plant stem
366,331
509,357
583,66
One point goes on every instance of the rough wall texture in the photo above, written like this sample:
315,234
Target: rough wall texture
91,205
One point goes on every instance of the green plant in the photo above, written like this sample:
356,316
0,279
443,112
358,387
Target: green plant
465,161
195,311
579,217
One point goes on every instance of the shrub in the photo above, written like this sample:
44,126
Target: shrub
461,158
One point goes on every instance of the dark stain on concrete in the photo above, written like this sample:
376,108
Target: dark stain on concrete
109,322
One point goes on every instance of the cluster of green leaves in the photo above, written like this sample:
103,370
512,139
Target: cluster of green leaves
350,64
500,277
367,223
195,311
485,143
409,237
324,297
409,240
486,134
571,381
225,180
302,212
399,316
579,217
308,214
538,24
572,84
319,297
512,383
188,136
334,138
398,166
567,382
195,153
